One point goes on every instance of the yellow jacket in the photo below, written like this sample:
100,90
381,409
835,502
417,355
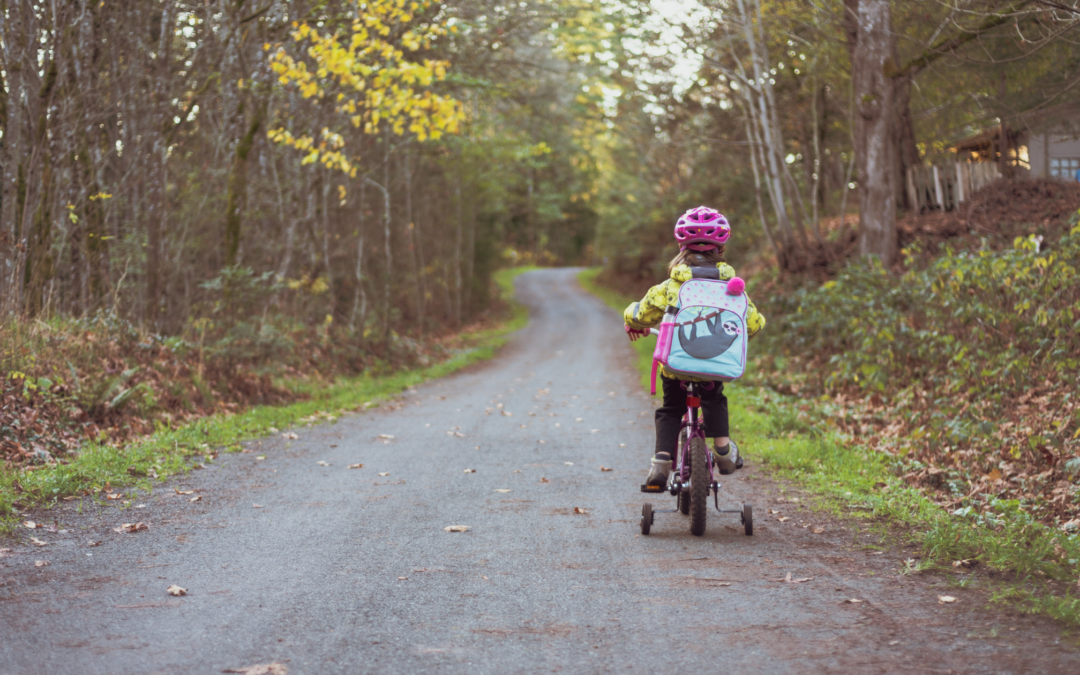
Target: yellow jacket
650,310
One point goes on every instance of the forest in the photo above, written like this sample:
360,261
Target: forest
368,164
202,199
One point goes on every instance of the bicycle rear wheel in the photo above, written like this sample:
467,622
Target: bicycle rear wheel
699,485
684,496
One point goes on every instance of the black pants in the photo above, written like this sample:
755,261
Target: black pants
669,416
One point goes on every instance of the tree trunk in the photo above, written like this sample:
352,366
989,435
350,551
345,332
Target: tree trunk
39,263
873,136
907,152
236,197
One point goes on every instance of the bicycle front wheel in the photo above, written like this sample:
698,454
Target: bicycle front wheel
699,485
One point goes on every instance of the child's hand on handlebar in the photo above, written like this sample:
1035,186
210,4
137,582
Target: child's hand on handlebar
633,333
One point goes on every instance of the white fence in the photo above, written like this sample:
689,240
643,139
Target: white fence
944,187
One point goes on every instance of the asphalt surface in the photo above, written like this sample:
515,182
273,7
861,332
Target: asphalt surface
327,569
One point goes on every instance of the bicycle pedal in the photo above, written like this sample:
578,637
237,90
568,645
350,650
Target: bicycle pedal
653,488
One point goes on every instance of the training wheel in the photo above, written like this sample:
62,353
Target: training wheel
646,518
748,519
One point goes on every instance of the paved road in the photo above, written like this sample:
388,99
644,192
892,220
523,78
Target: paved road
350,571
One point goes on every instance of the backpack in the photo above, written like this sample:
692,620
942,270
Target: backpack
704,334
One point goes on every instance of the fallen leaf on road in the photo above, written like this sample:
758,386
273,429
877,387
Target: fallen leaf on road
507,413
388,437
544,480
850,601
876,553
783,519
403,578
594,431
176,590
965,564
466,471
517,470
384,473
579,419
260,458
502,491
819,530
789,580
322,463
131,527
568,463
456,528
356,466
31,525
945,599
579,510
257,506
604,468
541,442
622,445
290,436
37,542
893,643
261,669
41,563
195,498
184,492
93,543
274,430
114,495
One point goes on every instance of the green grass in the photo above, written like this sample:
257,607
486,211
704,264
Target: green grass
1032,566
169,452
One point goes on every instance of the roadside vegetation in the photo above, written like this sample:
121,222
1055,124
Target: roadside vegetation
800,433
147,442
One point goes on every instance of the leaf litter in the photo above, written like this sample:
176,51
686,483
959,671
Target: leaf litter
791,580
130,528
260,669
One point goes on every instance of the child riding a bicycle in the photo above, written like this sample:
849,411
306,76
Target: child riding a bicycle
702,234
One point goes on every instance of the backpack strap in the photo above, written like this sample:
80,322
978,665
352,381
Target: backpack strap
705,273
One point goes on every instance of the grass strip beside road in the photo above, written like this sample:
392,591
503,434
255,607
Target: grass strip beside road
169,452
1030,565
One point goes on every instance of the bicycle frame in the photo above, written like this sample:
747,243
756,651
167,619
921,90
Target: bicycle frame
695,428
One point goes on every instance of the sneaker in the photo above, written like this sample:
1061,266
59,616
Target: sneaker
727,458
659,470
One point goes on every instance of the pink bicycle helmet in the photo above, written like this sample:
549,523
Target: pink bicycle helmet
701,229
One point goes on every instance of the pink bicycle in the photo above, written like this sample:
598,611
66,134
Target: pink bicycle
693,479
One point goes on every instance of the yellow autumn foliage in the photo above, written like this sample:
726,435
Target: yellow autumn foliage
369,79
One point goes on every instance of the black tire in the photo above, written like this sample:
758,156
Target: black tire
699,485
646,518
748,519
684,502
